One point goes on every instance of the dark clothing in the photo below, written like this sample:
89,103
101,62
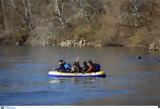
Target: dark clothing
97,67
61,68
85,68
78,69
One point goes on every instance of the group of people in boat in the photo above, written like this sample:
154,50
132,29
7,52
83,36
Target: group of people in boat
87,67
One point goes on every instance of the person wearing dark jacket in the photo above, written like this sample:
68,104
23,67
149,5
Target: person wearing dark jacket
97,67
73,68
78,67
85,67
61,67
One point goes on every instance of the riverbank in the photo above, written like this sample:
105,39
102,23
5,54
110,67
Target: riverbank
153,47
97,23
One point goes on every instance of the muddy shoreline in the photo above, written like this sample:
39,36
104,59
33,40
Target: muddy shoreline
153,47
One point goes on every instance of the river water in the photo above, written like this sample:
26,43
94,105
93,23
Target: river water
24,79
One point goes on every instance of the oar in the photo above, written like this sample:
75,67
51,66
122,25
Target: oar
77,59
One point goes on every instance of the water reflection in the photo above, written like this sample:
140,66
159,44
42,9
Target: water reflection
73,83
74,80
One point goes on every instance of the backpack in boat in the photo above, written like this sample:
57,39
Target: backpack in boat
67,66
97,67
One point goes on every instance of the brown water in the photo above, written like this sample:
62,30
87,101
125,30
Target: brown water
24,79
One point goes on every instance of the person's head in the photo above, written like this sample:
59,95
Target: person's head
74,64
90,62
84,63
60,61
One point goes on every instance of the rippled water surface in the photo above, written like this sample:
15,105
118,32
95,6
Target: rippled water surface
24,79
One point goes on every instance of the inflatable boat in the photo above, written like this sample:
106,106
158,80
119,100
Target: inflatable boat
76,74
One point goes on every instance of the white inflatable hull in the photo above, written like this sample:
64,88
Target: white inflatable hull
64,74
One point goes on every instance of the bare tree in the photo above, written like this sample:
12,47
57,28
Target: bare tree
28,14
58,12
4,23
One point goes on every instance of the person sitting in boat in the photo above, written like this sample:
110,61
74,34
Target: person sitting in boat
73,68
61,67
85,67
91,66
76,68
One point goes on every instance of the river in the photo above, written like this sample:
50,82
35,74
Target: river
24,79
